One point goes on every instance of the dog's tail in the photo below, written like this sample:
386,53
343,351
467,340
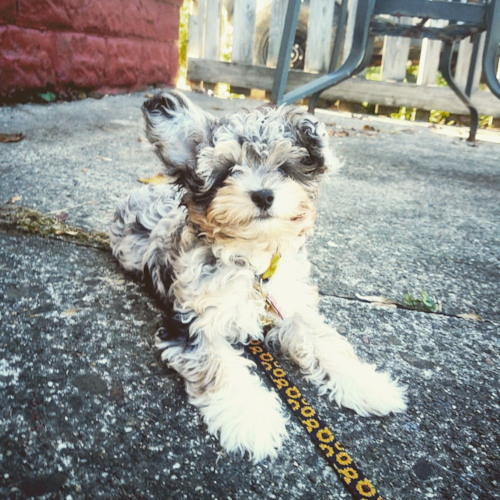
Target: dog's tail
134,220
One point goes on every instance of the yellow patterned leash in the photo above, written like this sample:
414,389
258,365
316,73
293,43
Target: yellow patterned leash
353,478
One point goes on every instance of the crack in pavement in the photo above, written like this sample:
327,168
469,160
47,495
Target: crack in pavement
398,306
23,220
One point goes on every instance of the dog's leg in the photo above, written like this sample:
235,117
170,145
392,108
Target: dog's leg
330,363
232,400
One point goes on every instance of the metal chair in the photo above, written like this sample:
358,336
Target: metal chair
465,19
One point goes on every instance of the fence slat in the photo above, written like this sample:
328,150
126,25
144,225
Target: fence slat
243,31
395,54
463,62
353,90
196,30
276,31
429,57
319,35
212,29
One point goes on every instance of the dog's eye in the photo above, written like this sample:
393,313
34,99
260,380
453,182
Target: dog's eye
234,172
280,171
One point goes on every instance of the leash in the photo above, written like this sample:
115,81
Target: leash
349,473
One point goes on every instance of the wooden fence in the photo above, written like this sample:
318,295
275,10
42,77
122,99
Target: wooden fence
256,30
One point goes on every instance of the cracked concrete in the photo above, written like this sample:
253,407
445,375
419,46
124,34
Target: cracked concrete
89,410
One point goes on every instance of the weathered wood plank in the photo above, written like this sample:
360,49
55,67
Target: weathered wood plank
463,62
395,54
319,35
429,57
212,29
243,31
196,30
355,90
278,14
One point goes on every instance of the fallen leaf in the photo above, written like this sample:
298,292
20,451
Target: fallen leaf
216,108
15,199
11,137
424,303
85,170
148,96
338,133
376,299
105,158
365,340
141,138
473,316
64,231
69,312
489,361
369,127
157,179
48,97
385,304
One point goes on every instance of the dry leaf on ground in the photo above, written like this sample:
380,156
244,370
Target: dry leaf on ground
375,298
5,138
69,312
64,231
157,179
105,158
338,133
473,316
369,127
15,199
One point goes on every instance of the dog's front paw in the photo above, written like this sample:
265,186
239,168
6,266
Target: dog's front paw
248,420
366,391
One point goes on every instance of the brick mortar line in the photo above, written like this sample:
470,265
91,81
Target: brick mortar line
97,35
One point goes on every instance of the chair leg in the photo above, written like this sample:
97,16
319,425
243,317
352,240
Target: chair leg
360,37
445,68
491,48
362,65
283,66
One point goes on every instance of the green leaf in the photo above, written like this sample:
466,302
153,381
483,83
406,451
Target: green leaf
424,303
48,97
408,299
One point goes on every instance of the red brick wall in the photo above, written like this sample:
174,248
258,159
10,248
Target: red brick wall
101,45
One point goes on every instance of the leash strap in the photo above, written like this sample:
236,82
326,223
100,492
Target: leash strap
352,477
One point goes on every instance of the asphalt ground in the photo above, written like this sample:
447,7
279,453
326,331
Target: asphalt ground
88,409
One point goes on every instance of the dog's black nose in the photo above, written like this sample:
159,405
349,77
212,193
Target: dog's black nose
263,198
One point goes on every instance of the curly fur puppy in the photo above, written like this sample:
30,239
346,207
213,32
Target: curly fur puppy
243,190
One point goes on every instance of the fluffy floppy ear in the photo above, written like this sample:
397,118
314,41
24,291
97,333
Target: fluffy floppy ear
311,134
177,128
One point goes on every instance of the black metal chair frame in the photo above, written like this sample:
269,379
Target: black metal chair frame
465,19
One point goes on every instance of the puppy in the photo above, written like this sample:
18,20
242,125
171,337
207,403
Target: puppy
223,248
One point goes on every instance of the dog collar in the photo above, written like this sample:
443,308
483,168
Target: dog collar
271,306
273,265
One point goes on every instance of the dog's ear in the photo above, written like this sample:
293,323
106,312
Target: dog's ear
311,134
177,128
